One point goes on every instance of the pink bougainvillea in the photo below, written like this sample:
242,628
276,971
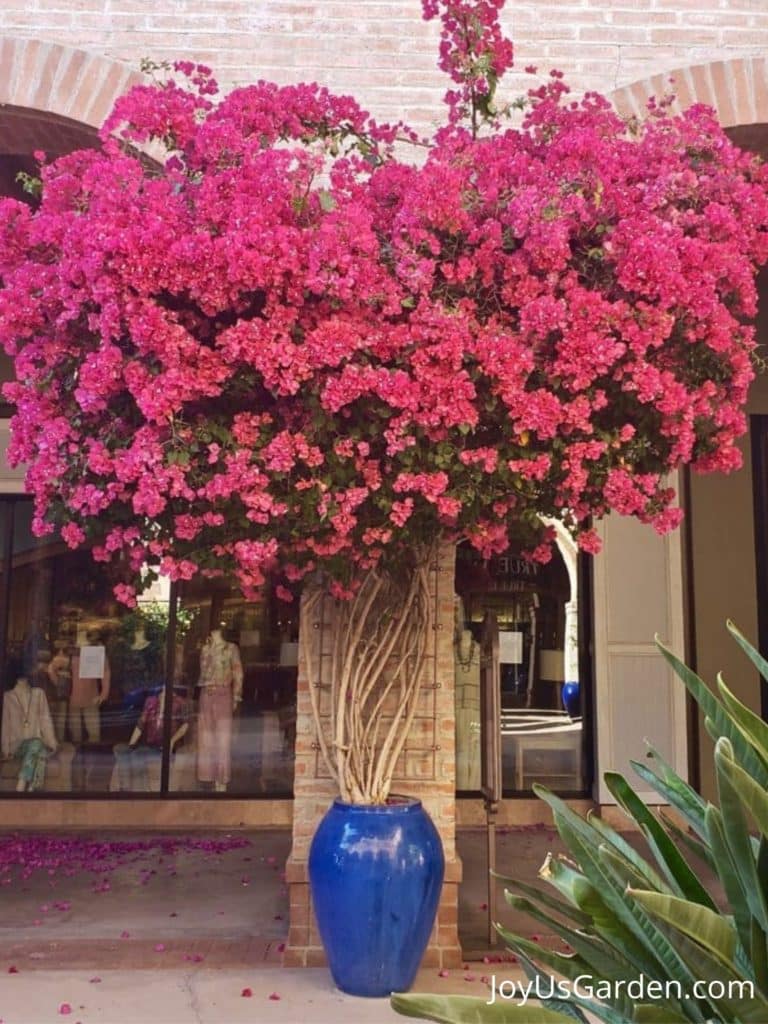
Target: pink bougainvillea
283,346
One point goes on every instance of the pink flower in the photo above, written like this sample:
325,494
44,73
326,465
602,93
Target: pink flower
273,355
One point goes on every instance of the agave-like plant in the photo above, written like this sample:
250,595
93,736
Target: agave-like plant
696,951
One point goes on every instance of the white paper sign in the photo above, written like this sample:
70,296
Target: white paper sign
92,661
510,647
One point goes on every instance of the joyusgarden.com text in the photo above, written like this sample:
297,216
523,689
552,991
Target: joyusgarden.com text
639,989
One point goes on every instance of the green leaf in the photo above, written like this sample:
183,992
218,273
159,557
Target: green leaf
759,955
751,725
566,1006
696,847
600,957
709,928
749,1009
672,862
650,951
722,721
729,876
566,964
675,791
469,1010
652,1013
736,791
643,868
760,663
624,870
546,899
752,794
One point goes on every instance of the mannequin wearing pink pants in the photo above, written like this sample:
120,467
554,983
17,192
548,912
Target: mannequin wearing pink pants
221,689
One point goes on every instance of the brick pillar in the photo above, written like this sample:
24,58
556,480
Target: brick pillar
427,770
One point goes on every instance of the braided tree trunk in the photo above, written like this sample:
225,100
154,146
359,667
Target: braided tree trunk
377,662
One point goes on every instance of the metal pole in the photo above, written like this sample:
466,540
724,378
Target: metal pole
491,807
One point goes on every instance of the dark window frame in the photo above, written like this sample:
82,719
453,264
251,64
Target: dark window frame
759,456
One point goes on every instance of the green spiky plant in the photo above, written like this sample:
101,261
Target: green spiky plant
625,917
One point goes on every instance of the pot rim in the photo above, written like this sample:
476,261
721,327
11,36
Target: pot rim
401,804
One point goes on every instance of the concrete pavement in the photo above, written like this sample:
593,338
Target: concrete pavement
204,996
141,929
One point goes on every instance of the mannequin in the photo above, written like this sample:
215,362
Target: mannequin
60,674
140,641
467,668
221,683
86,699
27,733
146,742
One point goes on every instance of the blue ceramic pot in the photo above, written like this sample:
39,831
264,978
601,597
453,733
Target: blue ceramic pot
571,698
375,873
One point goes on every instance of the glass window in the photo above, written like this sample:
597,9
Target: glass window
536,609
236,666
82,673
93,705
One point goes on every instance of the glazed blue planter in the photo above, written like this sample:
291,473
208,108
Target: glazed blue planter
375,874
571,692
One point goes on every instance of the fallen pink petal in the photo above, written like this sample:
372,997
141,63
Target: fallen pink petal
274,996
246,993
65,1008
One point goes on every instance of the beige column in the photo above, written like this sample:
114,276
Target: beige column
638,593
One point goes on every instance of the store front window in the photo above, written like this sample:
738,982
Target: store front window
237,664
99,699
536,608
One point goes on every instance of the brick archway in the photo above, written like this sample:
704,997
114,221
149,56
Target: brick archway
737,89
55,97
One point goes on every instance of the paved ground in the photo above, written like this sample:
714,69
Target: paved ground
202,996
172,928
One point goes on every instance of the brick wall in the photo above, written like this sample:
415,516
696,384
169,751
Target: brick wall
426,770
383,52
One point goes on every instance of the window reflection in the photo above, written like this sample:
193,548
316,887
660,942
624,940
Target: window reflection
89,705
536,607
237,665
90,665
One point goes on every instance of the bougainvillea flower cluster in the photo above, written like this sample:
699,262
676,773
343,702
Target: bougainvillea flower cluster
283,347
